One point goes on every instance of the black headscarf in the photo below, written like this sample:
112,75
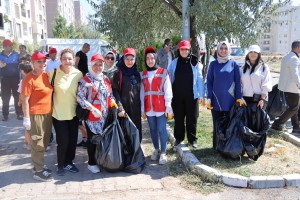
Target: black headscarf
190,58
126,70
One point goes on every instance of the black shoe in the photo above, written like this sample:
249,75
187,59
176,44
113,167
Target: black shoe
19,117
296,130
71,168
5,118
42,176
60,171
82,144
45,168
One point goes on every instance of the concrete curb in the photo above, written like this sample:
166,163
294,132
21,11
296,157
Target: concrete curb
235,180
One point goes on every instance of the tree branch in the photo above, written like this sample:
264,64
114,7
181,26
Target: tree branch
171,4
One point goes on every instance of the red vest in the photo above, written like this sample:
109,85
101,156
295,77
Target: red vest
92,91
154,94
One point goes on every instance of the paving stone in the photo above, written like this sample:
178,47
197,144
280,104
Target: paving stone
235,180
292,180
259,182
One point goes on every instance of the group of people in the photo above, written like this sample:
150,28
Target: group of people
167,87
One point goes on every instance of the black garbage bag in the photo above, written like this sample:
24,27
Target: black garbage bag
111,145
277,104
254,135
134,159
230,144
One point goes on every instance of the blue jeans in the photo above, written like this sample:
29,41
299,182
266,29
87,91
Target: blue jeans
158,128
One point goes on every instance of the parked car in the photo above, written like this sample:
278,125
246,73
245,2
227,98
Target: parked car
238,54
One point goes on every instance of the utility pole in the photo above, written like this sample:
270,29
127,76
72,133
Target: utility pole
185,21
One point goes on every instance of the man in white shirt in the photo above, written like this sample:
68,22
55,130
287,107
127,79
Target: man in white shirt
289,83
53,63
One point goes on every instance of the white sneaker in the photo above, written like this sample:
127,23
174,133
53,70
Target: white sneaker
155,154
162,159
94,168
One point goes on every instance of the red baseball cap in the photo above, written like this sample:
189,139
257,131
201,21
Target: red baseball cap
38,56
7,42
97,57
129,51
184,44
52,50
150,50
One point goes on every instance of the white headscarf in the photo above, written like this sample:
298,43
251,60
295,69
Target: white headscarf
225,58
93,74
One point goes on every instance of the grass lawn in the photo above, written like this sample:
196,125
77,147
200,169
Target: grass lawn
280,157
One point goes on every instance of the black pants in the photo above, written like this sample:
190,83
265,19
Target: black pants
9,86
186,112
91,148
292,112
66,138
215,116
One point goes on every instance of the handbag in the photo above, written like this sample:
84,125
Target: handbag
82,113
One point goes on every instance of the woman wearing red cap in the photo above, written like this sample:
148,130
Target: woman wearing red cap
65,83
95,94
126,88
188,88
156,97
37,102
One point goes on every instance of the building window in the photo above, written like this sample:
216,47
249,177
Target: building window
18,30
8,28
7,7
17,11
28,13
1,21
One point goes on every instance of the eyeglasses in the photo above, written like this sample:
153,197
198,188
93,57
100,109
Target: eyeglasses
133,80
109,58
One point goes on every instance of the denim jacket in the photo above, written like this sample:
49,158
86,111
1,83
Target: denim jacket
198,85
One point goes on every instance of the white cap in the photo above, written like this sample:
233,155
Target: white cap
254,48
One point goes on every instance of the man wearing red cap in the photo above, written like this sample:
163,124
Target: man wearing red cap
53,63
9,71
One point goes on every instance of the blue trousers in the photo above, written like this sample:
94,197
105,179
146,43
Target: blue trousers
158,129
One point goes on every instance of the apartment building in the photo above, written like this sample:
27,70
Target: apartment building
283,30
39,20
63,7
15,20
79,13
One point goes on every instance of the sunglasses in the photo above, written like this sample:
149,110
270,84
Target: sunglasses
109,58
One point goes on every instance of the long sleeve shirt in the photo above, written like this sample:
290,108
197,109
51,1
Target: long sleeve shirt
258,82
223,84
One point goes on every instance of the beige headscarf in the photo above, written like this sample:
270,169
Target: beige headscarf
225,58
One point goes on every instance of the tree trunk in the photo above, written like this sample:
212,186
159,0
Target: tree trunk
193,36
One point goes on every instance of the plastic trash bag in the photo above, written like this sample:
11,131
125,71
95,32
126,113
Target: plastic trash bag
229,140
277,104
134,158
254,135
111,145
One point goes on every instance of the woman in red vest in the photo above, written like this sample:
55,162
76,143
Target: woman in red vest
95,94
156,97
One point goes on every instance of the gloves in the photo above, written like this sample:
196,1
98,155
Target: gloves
201,101
97,113
122,114
113,104
169,113
240,101
208,103
144,117
26,123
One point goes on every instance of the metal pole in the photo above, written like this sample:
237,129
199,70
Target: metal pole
185,20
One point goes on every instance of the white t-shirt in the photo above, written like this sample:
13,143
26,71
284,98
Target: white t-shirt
19,87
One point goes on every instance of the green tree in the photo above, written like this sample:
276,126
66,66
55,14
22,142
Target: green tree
60,28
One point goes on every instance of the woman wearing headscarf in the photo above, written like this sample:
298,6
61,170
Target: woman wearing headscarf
156,97
65,122
110,65
95,94
223,85
188,89
126,88
256,78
